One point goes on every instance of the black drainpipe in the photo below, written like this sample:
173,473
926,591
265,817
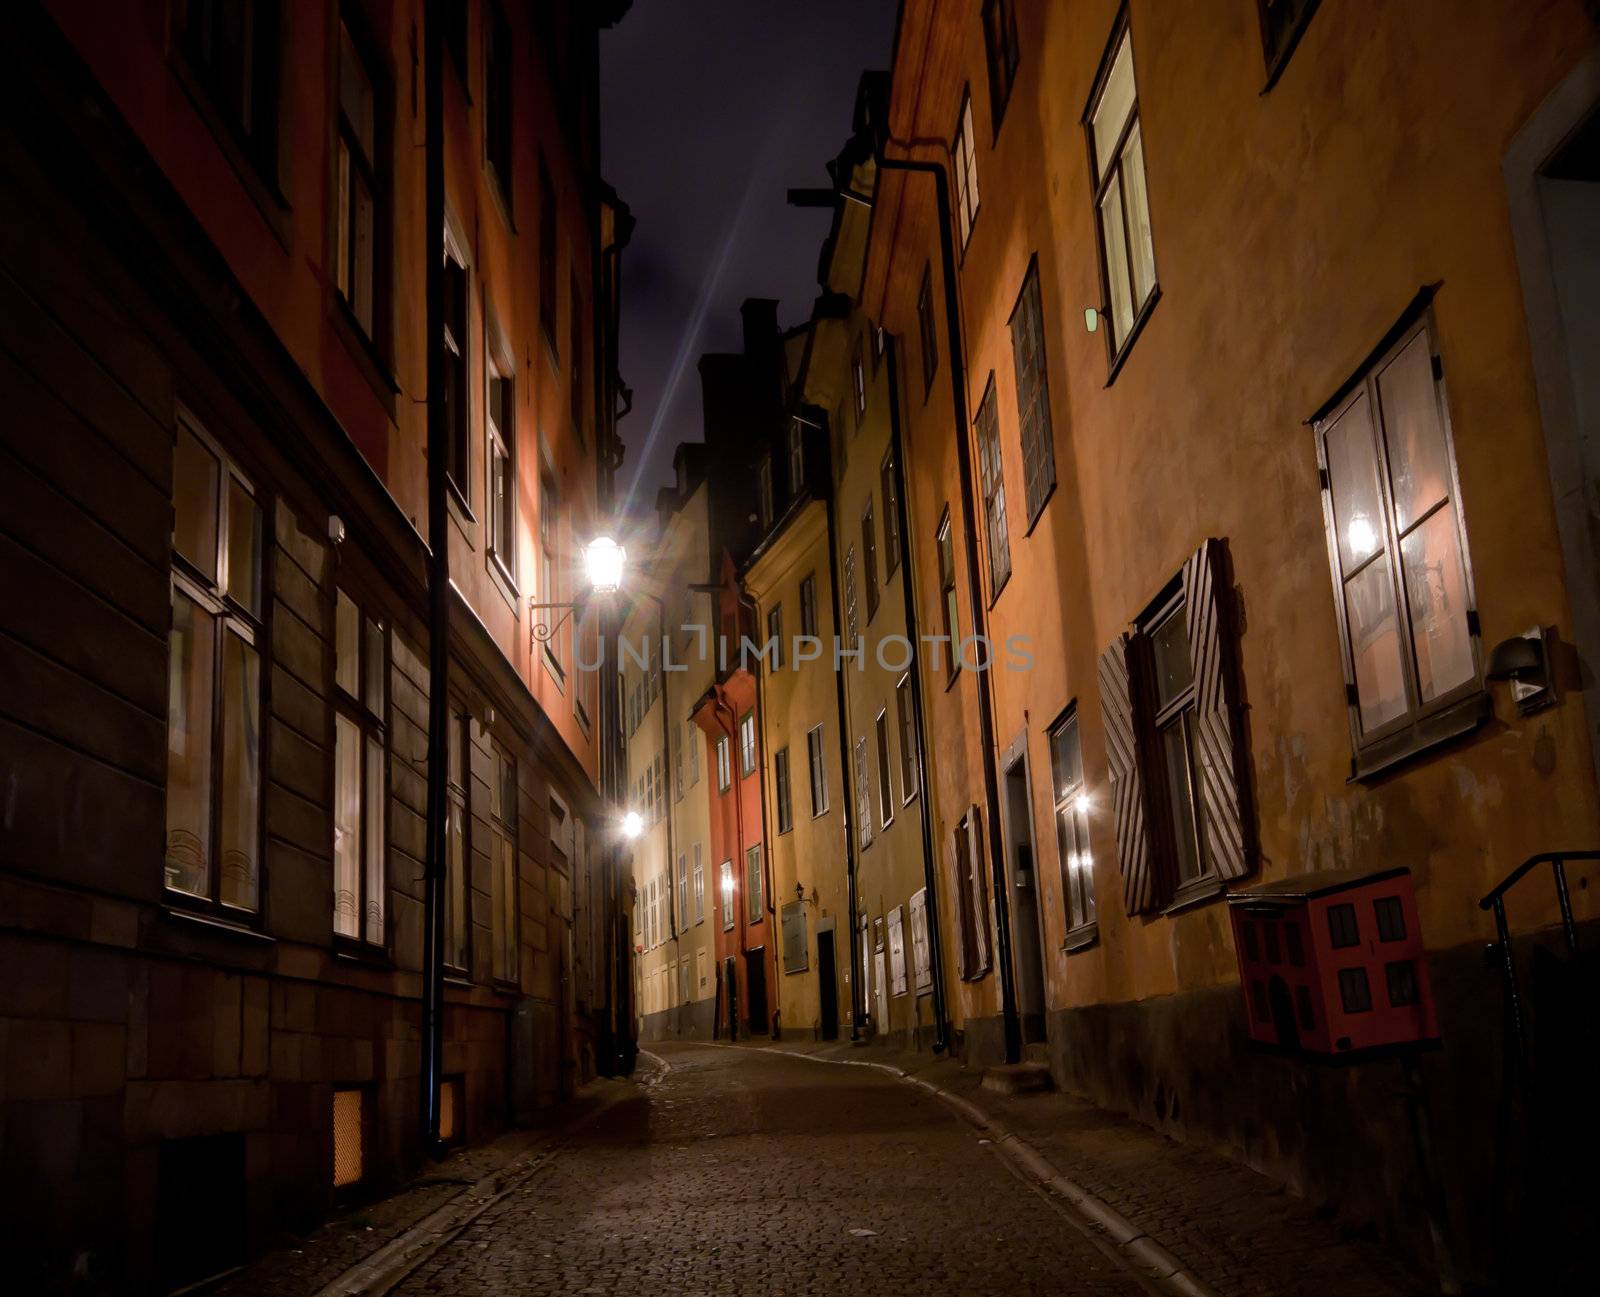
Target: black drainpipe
941,1015
846,779
438,588
991,783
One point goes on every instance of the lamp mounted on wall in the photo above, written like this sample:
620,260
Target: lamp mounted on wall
1524,660
603,563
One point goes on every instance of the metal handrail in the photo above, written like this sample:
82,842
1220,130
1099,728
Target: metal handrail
1496,901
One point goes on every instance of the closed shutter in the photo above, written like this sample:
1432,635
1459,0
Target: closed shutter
1127,791
1229,845
980,908
958,883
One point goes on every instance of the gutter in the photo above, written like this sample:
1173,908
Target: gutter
991,783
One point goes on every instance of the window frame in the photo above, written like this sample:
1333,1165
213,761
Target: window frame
458,358
817,769
797,457
458,853
1033,391
889,489
886,797
783,791
1079,906
506,943
1117,350
775,637
863,791
212,596
257,160
375,336
550,572
1278,60
755,890
808,604
927,331
910,742
1466,706
1000,21
500,444
578,397
949,600
370,724
724,764
992,491
549,256
726,878
869,557
747,744
964,163
499,101
698,882
852,613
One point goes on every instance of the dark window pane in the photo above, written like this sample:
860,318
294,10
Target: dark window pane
1391,918
194,502
1343,930
189,720
1401,976
241,772
1354,992
244,548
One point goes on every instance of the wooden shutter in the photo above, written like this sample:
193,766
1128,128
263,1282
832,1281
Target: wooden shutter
980,908
1127,790
958,881
1208,605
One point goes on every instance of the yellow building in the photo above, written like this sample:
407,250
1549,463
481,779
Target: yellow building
676,978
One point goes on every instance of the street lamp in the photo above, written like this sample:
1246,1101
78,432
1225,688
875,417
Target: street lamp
603,561
632,825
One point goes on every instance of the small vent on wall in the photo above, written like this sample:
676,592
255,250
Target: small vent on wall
450,1114
349,1143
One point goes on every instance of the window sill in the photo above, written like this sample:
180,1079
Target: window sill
1444,726
211,923
883,826
997,590
1039,512
364,351
1081,938
1145,312
790,972
553,669
909,798
461,511
499,192
1195,893
500,986
354,952
458,979
502,580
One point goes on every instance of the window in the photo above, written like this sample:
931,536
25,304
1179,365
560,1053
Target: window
1283,22
921,946
677,773
683,891
1173,721
964,156
852,620
658,789
501,438
747,744
457,412
1391,918
454,23
947,590
497,90
775,635
794,937
863,795
360,186
1001,54
897,952
785,796
1354,991
797,456
993,484
575,349
858,385
361,696
550,569
808,604
457,829
503,863
966,860
909,747
694,753
891,515
1033,396
213,850
699,880
1343,929
1072,831
764,506
885,780
231,50
817,760
724,768
727,894
869,559
925,330
547,256
1406,610
1122,209
754,892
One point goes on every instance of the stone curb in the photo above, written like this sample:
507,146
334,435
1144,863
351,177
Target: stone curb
1138,1249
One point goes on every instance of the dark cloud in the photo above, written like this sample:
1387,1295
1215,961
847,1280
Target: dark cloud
711,111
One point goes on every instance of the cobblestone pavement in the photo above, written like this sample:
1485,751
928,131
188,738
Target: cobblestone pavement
741,1172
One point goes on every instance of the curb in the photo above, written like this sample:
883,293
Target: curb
1138,1249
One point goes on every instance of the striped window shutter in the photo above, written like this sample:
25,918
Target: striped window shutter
957,883
1127,790
1229,843
980,907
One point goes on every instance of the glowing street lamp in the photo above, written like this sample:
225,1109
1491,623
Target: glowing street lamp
632,825
603,560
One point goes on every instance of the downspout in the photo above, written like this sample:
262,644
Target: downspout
846,782
941,1015
438,587
666,758
721,707
991,783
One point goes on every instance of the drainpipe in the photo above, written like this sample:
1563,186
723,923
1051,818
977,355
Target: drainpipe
731,729
666,759
761,773
846,780
941,1015
438,588
991,783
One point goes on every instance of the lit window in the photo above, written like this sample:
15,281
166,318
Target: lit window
965,157
360,772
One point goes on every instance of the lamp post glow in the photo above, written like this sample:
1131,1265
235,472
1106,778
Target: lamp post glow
632,825
603,560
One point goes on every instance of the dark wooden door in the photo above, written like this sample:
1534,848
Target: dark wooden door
755,980
827,986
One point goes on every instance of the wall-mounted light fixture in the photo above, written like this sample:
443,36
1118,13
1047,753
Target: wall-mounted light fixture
802,898
1524,660
603,562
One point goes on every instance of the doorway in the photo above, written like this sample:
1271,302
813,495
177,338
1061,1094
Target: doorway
755,980
1023,893
827,987
730,980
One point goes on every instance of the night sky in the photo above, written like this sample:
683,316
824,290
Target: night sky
711,109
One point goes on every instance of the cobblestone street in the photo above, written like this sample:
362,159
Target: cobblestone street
747,1172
